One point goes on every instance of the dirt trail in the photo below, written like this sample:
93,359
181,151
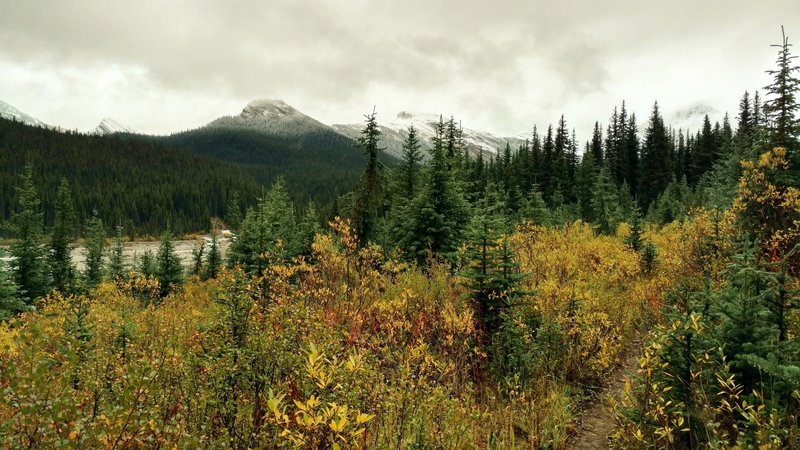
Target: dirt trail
595,424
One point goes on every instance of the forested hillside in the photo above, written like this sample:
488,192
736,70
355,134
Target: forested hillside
454,302
141,185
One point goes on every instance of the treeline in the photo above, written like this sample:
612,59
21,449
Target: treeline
143,186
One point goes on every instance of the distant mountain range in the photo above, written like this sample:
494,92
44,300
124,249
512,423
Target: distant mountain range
276,118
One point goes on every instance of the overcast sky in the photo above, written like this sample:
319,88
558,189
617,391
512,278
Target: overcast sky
499,65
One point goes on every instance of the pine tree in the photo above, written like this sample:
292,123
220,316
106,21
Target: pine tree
268,233
781,104
10,299
409,168
369,196
438,213
61,267
147,264
29,254
197,260
605,203
214,259
656,166
596,148
492,278
233,217
585,181
95,243
116,265
169,271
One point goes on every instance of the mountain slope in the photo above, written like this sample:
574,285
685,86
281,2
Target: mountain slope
111,126
143,185
273,139
9,112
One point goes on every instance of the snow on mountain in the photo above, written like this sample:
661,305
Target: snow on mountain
273,117
691,117
9,112
395,131
111,126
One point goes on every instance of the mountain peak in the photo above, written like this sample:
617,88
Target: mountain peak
111,126
265,107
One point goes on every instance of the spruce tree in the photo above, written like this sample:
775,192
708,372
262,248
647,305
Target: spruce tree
94,246
147,264
10,299
605,203
656,166
29,254
214,259
438,213
408,171
491,276
596,148
61,267
369,196
781,104
233,215
116,265
169,271
198,254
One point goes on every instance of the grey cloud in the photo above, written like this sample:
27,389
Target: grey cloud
503,65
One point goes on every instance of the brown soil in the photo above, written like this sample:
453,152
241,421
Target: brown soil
595,424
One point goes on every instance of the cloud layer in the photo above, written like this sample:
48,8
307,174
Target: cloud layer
501,66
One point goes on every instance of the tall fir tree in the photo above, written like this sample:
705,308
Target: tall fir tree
30,273
656,166
214,260
781,104
10,300
95,235
116,264
61,239
438,213
369,197
169,271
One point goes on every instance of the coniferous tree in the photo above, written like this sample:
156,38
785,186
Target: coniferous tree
438,213
214,259
585,181
491,276
233,215
29,254
656,166
10,300
169,271
61,267
95,244
147,264
781,104
596,148
369,196
409,169
268,233
116,265
605,203
632,156
198,254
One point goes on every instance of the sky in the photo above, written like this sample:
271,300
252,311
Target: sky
500,66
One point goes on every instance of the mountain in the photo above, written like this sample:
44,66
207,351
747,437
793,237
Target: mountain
395,132
271,138
111,126
9,112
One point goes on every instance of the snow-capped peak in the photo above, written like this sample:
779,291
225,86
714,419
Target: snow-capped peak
111,126
267,108
9,112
